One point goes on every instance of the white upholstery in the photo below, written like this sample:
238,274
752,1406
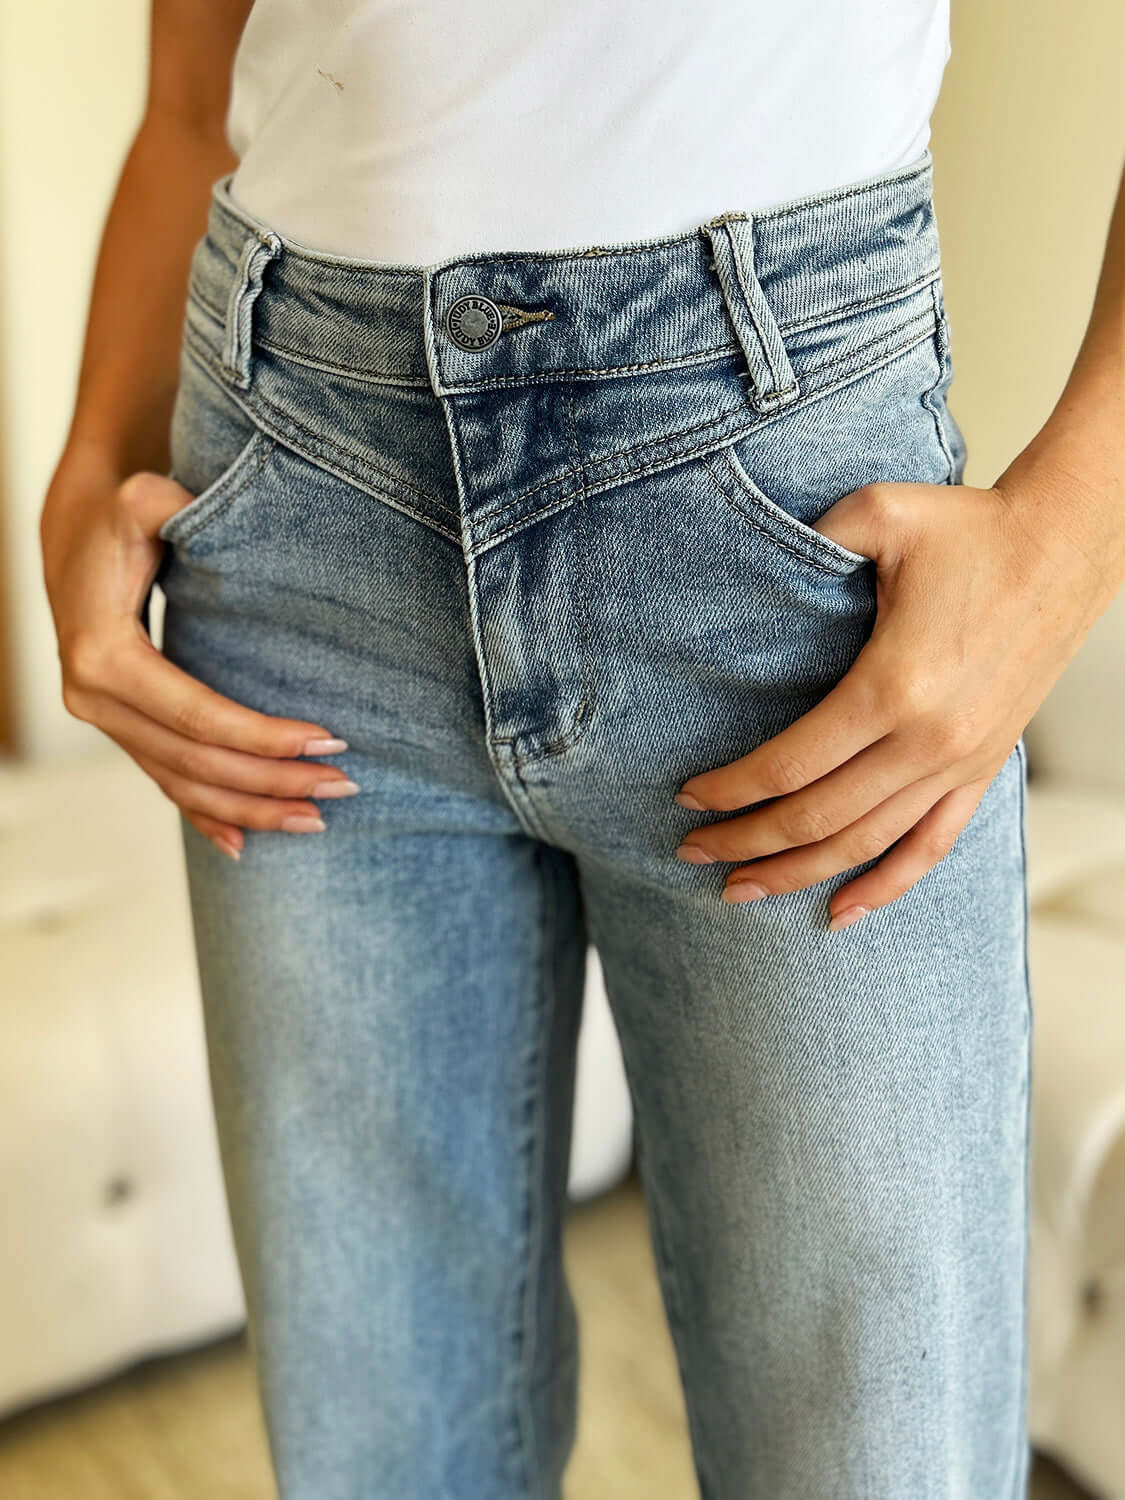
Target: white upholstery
1077,880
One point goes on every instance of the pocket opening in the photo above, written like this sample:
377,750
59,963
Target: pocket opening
221,493
783,529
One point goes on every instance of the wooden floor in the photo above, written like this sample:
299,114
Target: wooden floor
188,1427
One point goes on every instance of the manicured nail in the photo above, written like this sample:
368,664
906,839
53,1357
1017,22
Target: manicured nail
846,917
685,799
334,789
743,890
299,823
227,849
324,747
692,854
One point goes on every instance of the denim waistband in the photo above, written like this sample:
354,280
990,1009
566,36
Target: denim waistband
737,280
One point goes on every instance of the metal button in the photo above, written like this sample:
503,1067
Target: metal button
473,323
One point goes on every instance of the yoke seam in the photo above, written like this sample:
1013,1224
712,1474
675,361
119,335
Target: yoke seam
640,470
252,410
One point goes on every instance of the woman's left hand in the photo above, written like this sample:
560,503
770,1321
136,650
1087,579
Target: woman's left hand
981,602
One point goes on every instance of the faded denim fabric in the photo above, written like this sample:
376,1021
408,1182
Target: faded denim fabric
536,583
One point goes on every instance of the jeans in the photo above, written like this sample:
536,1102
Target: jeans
532,533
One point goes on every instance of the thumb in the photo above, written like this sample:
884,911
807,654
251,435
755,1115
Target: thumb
864,519
148,499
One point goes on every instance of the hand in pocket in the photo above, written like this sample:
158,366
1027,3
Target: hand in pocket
980,604
225,766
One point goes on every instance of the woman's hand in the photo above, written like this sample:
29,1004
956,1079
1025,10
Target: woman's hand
225,766
980,604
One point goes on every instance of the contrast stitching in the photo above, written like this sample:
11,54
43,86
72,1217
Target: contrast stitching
319,460
641,471
368,377
561,371
378,377
775,374
203,357
649,443
391,501
582,714
1020,1454
842,359
883,299
686,432
526,1300
524,809
927,396
334,446
266,445
301,357
519,316
760,526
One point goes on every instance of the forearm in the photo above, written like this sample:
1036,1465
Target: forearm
130,359
1071,477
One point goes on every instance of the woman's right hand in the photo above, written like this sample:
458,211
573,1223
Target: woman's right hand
225,766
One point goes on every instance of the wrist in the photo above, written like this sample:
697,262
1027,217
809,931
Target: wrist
85,464
85,472
1069,485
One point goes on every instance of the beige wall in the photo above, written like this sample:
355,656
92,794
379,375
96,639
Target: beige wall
71,89
1027,140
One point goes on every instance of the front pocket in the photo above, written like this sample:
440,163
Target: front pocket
217,449
766,516
221,493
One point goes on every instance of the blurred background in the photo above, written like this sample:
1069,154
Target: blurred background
123,1367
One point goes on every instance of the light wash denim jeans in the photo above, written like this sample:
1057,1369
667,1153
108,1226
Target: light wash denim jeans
532,533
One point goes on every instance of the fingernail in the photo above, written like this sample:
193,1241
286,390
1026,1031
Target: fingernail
743,890
846,917
685,799
334,789
692,854
299,823
227,849
324,747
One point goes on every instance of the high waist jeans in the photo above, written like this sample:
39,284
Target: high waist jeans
532,533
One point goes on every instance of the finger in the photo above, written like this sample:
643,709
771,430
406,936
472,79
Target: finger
218,766
835,802
914,856
239,808
865,840
228,839
148,681
843,723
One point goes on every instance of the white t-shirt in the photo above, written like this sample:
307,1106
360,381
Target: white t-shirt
411,131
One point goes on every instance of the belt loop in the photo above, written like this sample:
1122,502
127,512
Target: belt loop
257,252
771,375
